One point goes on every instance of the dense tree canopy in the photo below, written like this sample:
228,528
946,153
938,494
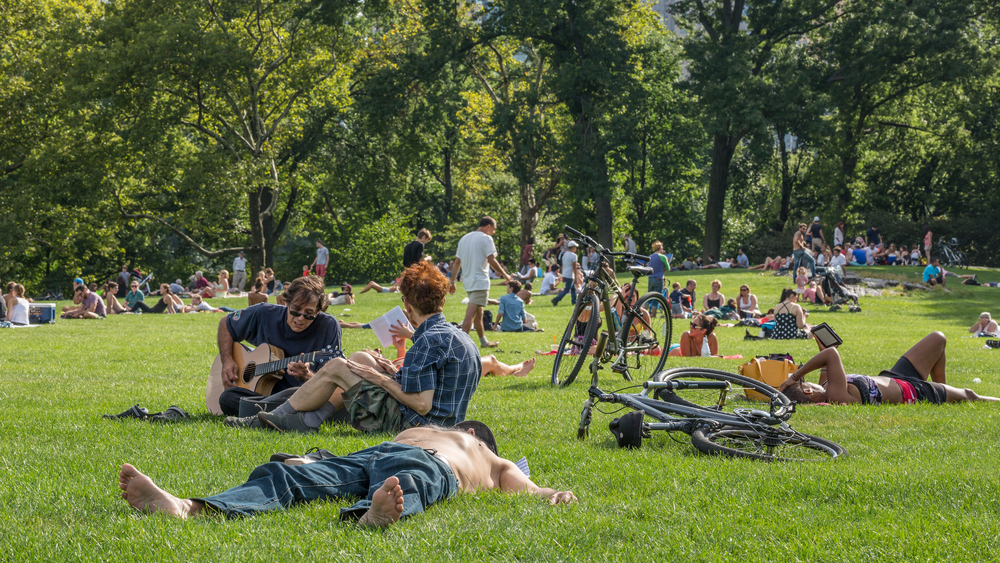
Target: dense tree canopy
170,134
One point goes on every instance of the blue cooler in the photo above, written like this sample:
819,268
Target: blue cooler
41,313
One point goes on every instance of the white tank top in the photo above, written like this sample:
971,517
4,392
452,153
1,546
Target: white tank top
745,304
19,312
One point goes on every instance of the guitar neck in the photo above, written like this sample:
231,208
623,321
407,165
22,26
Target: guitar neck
278,365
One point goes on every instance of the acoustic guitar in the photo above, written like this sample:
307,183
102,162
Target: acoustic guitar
260,369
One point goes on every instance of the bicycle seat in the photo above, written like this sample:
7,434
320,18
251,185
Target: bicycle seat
640,270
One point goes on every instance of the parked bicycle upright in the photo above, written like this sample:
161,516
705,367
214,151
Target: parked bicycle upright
642,327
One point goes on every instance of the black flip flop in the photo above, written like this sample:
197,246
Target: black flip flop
135,412
172,414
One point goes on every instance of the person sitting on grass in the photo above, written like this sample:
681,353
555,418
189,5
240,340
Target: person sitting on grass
680,302
693,340
19,310
985,326
904,383
169,303
789,317
77,282
747,303
934,274
715,298
91,306
510,315
392,288
814,294
525,293
134,295
111,304
434,386
551,281
396,479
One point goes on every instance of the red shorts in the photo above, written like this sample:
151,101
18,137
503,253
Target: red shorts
321,270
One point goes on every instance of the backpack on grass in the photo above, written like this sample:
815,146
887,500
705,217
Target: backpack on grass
772,370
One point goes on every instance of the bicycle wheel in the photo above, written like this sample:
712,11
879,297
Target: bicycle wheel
690,393
576,341
765,445
961,260
647,341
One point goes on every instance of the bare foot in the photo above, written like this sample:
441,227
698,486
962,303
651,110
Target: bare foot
524,368
387,505
492,344
142,494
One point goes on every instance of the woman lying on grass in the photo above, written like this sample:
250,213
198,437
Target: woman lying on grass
906,382
693,340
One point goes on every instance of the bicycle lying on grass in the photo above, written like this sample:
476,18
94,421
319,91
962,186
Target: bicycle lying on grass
712,408
642,331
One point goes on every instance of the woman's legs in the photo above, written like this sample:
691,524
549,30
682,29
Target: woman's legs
372,285
956,395
493,366
928,356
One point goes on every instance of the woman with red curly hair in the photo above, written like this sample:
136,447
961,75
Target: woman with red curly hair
439,374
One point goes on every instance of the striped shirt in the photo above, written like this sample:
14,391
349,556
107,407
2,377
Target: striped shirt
443,358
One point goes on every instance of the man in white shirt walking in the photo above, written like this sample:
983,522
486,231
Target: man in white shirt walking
569,268
239,273
475,255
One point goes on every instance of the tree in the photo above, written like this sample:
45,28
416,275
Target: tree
246,86
731,47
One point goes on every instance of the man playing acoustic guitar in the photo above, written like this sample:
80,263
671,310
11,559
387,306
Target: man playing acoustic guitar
439,374
300,327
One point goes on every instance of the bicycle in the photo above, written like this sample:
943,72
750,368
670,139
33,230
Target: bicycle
700,403
641,340
949,255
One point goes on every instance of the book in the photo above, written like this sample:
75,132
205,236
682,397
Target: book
383,325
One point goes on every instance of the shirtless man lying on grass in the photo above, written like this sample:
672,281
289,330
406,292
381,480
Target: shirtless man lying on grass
420,467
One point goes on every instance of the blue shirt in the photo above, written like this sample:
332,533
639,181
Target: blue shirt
931,272
443,358
512,309
656,262
742,260
860,256
266,323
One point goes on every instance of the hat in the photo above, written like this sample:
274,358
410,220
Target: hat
482,431
78,280
572,243
815,219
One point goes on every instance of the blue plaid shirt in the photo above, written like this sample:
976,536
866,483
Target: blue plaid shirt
443,358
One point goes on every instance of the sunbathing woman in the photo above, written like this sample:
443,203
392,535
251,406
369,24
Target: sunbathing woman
906,382
258,295
168,304
775,264
111,302
985,326
381,289
693,340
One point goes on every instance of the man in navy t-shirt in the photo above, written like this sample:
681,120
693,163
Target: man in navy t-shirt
300,328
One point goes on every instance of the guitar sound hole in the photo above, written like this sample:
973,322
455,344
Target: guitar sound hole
248,372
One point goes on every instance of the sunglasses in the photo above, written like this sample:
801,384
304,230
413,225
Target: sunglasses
303,315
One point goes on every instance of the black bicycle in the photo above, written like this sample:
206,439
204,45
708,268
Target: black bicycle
949,254
712,407
642,326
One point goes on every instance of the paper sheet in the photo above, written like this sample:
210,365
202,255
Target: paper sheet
383,325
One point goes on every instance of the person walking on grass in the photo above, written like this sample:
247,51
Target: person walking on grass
321,260
476,253
239,273
419,467
414,252
570,266
800,251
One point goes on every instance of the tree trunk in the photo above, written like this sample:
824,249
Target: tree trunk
605,221
787,182
267,227
256,255
848,167
723,148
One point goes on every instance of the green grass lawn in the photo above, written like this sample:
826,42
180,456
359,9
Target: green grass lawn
919,482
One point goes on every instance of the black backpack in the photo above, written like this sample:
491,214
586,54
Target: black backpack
488,318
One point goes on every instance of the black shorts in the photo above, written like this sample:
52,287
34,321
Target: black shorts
926,390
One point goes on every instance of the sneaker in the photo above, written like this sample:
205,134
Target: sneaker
555,303
993,343
313,455
292,422
244,422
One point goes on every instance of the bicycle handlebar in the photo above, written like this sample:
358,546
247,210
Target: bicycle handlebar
628,256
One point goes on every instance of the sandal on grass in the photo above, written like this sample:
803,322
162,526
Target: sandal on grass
172,414
135,412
